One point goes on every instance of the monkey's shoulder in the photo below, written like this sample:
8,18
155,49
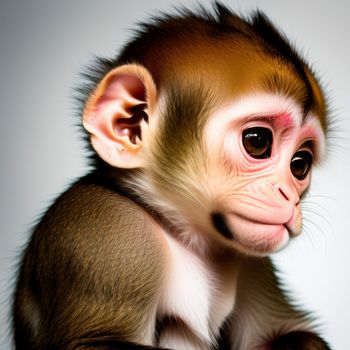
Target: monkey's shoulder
91,215
92,233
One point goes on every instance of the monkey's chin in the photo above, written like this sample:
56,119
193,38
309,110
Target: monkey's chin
251,237
265,239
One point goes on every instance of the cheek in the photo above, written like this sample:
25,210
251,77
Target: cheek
225,150
223,155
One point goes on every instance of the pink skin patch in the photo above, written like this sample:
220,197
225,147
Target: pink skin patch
283,121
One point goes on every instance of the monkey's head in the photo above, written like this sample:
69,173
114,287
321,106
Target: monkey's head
223,122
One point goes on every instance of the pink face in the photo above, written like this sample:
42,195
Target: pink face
266,153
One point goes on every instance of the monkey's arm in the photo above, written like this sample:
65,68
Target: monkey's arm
91,275
263,318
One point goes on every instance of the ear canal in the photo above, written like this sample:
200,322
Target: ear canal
115,115
131,126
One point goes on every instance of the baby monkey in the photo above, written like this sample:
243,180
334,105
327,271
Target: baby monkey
204,132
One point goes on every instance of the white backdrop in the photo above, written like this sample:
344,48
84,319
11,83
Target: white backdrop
45,45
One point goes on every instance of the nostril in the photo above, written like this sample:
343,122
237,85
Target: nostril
283,194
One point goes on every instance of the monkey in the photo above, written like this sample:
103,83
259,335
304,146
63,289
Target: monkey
202,136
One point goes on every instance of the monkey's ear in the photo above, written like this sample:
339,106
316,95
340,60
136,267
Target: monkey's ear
117,111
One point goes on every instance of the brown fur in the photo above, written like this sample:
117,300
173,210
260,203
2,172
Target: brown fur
75,270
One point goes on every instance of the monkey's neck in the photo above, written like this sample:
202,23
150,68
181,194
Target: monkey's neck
120,181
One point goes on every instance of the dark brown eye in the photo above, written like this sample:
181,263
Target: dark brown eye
257,142
301,164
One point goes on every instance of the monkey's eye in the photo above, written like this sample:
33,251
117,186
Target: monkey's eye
301,164
257,142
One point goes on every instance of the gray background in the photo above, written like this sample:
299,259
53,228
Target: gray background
44,46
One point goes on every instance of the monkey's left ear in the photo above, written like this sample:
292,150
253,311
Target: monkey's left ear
116,112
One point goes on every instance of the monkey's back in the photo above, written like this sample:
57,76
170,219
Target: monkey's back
95,259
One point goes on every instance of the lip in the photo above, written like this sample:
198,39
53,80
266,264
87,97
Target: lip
255,237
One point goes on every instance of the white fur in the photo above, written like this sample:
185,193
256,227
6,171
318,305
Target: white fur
178,339
188,290
193,294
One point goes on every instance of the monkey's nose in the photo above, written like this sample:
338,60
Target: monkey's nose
288,193
283,194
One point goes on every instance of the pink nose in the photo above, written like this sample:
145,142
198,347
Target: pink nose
288,193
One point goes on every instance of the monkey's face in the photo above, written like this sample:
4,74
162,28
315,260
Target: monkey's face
243,181
263,149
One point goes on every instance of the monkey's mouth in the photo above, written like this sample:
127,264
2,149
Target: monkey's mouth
252,237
